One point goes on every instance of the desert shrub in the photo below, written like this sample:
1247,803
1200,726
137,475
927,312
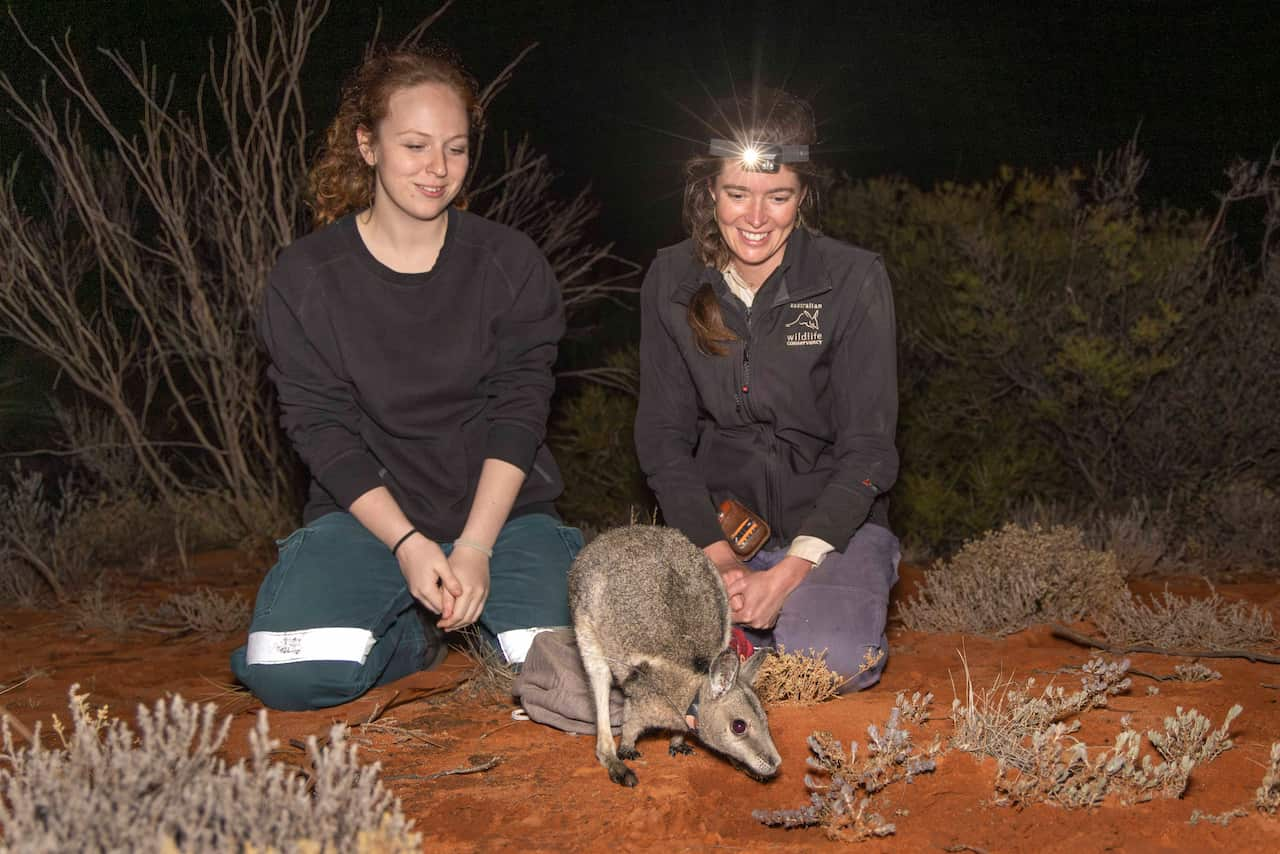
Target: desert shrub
202,611
840,799
1013,578
1222,819
1240,526
98,609
592,436
1195,672
1060,339
39,554
1172,622
165,789
1061,772
798,678
1267,798
914,709
1030,735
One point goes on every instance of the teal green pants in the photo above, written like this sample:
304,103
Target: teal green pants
334,616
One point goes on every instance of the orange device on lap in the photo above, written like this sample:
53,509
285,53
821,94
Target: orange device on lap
745,531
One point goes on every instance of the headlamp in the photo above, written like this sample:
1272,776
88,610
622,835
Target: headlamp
759,156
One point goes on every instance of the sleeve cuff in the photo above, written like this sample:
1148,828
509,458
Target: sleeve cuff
511,444
350,476
839,513
810,548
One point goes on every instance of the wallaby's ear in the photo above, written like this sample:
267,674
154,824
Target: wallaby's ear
724,672
750,667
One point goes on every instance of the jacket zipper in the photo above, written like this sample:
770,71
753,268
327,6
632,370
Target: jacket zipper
743,392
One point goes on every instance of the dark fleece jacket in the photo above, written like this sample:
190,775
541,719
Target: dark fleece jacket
798,419
411,381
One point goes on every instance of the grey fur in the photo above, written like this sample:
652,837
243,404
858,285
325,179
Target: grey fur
651,615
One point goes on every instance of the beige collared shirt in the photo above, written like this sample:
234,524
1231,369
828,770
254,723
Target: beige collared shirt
812,549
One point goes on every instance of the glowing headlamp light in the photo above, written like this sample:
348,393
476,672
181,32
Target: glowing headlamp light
759,156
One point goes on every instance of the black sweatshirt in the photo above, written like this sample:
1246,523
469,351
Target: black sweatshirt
797,421
412,380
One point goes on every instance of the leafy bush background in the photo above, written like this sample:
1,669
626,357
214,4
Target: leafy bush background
1060,341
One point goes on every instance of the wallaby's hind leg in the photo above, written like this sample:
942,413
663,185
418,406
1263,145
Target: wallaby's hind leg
601,679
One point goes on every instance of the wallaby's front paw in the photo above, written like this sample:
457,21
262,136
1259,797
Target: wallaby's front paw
625,752
682,748
622,775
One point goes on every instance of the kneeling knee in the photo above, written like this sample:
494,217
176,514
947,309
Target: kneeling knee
297,687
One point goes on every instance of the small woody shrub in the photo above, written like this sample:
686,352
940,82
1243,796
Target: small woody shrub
1013,578
797,678
164,789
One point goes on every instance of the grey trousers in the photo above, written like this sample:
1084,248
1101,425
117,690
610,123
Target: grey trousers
841,606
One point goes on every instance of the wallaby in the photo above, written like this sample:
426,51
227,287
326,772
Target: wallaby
651,613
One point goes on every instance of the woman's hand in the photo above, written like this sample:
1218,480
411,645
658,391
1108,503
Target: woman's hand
731,570
763,593
471,569
427,572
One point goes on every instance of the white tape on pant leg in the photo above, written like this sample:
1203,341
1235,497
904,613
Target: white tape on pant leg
335,643
515,643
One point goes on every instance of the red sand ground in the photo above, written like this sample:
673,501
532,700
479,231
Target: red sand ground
548,793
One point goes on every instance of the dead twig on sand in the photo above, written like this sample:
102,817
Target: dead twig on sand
492,762
502,727
376,723
6,715
1060,631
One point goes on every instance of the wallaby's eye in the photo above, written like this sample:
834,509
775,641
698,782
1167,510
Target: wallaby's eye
739,726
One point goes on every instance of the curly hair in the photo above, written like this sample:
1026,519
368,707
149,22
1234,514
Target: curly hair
340,181
766,116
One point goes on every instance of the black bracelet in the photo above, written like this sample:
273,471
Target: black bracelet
400,542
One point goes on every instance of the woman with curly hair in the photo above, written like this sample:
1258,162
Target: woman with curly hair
410,346
768,376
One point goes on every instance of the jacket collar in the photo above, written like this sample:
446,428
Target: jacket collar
800,275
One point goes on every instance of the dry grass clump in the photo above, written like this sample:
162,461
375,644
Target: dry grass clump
797,678
1177,623
840,799
1267,798
1010,579
1000,721
165,789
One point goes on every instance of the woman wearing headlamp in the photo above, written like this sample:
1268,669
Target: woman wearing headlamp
768,375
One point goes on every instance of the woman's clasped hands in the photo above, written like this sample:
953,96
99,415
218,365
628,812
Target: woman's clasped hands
454,586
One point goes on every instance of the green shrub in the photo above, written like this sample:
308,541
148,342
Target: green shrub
1059,340
592,436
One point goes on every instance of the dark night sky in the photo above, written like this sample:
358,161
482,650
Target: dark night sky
930,90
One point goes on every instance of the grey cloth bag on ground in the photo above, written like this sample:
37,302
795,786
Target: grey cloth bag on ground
553,687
